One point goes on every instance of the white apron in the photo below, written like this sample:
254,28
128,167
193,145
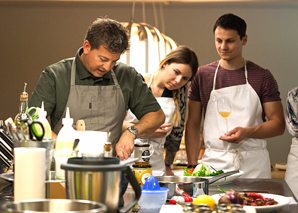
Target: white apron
168,107
291,176
101,107
251,154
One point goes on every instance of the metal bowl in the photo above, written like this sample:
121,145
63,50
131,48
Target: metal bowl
55,205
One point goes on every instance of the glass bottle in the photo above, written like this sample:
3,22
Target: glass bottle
23,115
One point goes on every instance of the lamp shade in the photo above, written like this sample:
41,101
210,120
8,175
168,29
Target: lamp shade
148,46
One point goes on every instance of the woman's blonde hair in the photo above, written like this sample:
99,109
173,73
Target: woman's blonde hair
181,55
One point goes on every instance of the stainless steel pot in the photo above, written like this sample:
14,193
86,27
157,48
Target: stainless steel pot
55,205
190,185
100,181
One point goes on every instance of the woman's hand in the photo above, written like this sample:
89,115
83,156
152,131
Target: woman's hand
161,132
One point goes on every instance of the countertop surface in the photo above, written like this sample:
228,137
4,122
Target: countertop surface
272,186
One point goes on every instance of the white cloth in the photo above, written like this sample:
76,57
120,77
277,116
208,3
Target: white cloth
168,107
251,154
291,175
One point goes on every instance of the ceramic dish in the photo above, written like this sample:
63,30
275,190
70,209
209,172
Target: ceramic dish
282,201
222,181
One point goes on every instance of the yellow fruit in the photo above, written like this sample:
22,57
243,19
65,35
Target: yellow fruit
205,199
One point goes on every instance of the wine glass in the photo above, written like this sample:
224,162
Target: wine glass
224,109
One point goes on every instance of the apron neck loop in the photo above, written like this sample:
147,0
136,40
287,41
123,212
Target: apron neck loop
215,74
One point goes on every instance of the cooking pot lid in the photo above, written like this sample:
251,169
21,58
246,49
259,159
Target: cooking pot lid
103,161
104,165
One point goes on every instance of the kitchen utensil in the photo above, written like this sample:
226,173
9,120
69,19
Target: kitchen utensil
191,185
6,138
223,181
80,125
55,205
128,161
4,163
29,129
12,131
6,151
153,196
75,144
100,181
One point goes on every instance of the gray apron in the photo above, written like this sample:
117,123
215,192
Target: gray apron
101,107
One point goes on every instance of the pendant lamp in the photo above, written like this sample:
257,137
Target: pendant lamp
148,46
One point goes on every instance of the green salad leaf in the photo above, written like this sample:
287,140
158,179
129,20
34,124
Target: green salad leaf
201,170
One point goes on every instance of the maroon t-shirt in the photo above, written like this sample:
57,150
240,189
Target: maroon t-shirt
261,80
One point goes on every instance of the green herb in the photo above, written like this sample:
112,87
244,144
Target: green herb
220,189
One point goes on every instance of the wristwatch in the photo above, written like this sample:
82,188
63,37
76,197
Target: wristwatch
133,130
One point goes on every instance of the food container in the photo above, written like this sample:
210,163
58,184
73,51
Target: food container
142,172
153,196
190,185
143,153
55,205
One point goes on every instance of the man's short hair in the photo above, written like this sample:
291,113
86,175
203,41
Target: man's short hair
232,22
110,33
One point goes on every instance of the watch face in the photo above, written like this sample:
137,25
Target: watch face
133,130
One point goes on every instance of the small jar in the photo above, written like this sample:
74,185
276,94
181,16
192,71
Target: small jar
142,172
142,151
108,149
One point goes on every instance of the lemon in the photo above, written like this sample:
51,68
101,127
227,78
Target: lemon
205,199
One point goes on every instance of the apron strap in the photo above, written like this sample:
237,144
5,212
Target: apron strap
151,78
214,79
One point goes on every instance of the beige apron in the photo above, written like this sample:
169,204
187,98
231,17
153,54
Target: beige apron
251,154
156,159
101,107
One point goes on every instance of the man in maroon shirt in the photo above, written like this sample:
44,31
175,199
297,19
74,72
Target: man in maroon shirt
256,110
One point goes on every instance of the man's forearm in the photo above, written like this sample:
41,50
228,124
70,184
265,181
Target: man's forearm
192,140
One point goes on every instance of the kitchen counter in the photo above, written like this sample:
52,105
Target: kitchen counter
272,186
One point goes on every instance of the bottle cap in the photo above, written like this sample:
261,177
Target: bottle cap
24,94
41,112
67,120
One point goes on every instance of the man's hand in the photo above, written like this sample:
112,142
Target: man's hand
161,132
125,145
236,135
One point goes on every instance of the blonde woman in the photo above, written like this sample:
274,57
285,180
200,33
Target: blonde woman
169,86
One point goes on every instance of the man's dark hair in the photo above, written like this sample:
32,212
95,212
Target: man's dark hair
232,22
110,33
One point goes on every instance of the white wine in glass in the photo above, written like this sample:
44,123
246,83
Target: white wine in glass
224,109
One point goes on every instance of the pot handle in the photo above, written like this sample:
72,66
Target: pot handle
220,176
136,187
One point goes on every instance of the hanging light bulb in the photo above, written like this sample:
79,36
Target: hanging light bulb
148,46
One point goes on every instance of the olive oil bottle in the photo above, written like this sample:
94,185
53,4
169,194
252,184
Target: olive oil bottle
23,115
